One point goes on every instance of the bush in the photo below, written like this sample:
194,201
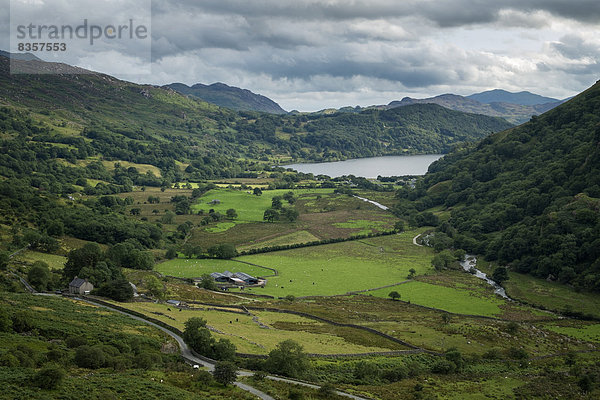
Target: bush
22,322
90,357
288,358
119,290
224,349
396,374
443,366
49,377
327,390
225,372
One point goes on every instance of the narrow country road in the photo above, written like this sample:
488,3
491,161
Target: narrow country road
415,241
186,353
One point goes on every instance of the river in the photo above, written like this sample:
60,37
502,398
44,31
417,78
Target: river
370,167
469,264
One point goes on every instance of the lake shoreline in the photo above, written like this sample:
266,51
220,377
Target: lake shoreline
370,167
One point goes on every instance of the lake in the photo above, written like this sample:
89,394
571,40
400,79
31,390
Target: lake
370,167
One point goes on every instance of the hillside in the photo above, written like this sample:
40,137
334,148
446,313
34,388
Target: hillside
528,197
512,112
523,98
230,97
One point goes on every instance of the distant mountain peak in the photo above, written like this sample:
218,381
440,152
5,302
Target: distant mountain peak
232,97
523,98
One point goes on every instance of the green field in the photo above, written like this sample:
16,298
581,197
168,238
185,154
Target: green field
249,337
343,267
53,261
581,331
250,208
194,268
445,298
290,238
550,295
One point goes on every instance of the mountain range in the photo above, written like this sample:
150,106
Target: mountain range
529,197
229,96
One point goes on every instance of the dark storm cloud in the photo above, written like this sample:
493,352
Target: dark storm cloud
444,13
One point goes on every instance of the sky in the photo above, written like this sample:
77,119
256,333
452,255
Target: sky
310,55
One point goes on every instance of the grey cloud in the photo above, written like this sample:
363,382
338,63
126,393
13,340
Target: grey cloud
444,13
575,48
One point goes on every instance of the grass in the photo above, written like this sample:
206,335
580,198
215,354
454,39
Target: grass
249,337
343,267
54,262
220,227
581,331
550,295
445,298
290,238
193,268
250,208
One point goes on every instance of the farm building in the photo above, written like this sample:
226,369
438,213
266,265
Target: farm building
80,286
214,201
238,278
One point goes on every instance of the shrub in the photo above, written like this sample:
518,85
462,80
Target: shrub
90,357
49,377
288,358
443,366
327,390
225,372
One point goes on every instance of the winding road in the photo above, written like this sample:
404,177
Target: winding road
193,358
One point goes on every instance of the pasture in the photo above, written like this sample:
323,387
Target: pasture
550,295
262,331
343,267
454,300
54,262
249,207
194,268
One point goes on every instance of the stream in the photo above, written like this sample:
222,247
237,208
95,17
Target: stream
373,202
469,262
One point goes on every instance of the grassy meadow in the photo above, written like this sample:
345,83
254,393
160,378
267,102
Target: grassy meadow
343,267
251,337
194,268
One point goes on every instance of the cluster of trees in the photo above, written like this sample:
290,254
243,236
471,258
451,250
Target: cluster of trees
199,338
528,198
103,268
278,212
118,351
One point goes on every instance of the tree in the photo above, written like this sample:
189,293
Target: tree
49,377
289,197
39,275
411,273
223,251
4,259
224,350
86,256
168,217
171,253
231,213
225,372
90,357
288,358
270,215
155,287
394,295
257,191
443,260
276,202
197,336
399,226
119,290
500,275
207,282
